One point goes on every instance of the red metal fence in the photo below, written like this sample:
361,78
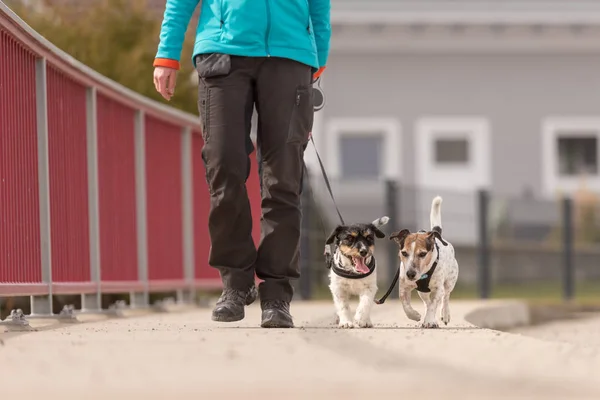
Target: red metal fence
19,198
101,190
67,159
116,189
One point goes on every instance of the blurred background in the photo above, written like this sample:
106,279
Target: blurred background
492,104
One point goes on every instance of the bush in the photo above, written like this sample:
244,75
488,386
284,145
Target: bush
117,38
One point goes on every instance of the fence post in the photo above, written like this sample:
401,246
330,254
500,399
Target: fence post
42,305
187,295
391,209
484,245
305,282
93,301
141,299
568,264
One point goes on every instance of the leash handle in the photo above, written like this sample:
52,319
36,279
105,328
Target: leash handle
387,294
318,95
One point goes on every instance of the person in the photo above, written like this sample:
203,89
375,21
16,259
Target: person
251,53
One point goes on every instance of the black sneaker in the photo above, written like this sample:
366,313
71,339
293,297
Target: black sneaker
276,314
230,306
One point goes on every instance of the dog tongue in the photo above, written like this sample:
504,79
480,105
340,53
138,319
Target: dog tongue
359,263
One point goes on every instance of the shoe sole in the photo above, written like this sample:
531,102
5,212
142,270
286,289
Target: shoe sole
273,324
223,318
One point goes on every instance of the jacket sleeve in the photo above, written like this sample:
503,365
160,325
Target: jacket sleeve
178,14
320,11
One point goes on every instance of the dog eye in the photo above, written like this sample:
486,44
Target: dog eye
349,238
422,255
404,254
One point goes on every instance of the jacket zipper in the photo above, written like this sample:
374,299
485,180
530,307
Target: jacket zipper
308,17
222,21
268,28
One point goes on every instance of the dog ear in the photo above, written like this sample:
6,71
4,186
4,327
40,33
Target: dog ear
378,233
399,237
335,232
435,233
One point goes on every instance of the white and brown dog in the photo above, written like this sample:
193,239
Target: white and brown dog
353,270
427,264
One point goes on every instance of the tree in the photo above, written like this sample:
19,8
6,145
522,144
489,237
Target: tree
117,38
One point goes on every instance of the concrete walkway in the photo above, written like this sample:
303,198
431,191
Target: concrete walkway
184,355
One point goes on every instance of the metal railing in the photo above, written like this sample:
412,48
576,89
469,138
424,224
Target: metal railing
101,190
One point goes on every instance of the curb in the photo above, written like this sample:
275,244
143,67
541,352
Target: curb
500,316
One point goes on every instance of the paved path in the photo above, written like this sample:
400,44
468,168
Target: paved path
186,356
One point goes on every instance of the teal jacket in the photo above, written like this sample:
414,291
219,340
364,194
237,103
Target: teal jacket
296,29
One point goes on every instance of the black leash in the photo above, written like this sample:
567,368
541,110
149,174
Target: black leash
327,181
330,261
387,294
328,184
312,195
328,253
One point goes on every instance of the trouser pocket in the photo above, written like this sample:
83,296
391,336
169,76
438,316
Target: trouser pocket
209,66
203,111
301,120
212,65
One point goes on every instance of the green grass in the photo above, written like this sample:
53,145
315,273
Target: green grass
536,292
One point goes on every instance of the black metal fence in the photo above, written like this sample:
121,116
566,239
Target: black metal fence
506,246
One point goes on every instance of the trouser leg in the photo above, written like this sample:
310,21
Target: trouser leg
226,97
285,117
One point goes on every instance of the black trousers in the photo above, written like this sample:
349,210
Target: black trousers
229,88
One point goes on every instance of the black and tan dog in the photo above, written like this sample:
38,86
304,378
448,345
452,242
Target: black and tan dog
352,263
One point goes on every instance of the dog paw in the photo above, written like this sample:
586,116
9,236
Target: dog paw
446,318
414,315
346,325
363,324
430,325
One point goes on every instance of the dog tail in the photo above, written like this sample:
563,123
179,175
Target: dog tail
381,221
436,212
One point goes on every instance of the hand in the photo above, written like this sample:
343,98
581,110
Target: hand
164,81
318,74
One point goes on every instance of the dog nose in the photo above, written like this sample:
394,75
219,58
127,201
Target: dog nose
411,274
363,252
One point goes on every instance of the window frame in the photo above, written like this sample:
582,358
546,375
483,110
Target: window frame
388,128
552,129
475,174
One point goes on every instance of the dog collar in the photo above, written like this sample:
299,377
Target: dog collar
423,281
349,275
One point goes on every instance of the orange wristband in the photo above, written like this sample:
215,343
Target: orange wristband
167,63
319,72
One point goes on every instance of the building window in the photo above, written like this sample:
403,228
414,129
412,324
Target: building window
578,154
570,147
361,155
452,151
361,149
